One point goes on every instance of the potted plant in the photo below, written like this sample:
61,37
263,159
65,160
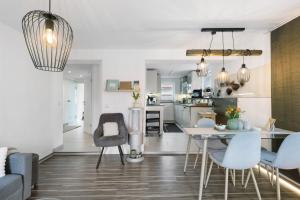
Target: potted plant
136,94
233,114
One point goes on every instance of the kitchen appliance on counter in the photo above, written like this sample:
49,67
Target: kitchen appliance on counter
151,100
197,94
207,92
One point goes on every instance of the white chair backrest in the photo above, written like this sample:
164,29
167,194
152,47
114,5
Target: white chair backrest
243,151
288,155
205,123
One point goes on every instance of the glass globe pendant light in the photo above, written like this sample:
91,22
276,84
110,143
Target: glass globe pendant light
202,70
243,74
48,38
223,76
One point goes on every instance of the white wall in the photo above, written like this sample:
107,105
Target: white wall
255,96
30,101
80,102
129,65
88,106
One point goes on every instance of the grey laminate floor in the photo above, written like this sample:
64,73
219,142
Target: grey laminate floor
158,177
78,141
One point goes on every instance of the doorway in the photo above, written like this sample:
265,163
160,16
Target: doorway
77,109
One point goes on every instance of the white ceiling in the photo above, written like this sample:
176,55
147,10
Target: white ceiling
154,24
78,72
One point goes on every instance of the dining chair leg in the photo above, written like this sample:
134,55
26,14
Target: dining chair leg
247,180
243,174
99,159
255,184
278,184
197,157
208,174
226,184
121,155
232,175
205,169
187,153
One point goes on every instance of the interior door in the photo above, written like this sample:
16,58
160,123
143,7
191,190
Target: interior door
70,104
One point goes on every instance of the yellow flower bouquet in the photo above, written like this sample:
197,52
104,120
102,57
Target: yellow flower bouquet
233,112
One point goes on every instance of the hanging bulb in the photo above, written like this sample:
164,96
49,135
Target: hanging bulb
203,64
202,70
49,34
223,77
243,75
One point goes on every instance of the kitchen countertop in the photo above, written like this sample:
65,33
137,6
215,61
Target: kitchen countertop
152,105
193,105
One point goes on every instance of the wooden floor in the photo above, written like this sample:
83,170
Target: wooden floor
158,177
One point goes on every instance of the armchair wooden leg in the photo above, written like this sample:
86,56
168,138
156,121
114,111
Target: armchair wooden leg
121,155
99,159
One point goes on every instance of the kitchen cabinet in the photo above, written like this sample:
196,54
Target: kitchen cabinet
168,111
152,81
187,116
159,108
179,114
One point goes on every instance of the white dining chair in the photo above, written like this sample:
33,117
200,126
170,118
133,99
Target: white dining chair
213,143
287,157
243,152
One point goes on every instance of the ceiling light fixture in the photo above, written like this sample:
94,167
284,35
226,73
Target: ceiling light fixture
243,74
223,77
202,69
221,52
48,38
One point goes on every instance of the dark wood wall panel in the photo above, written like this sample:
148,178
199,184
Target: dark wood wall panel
285,73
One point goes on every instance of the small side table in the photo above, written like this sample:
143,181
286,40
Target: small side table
135,125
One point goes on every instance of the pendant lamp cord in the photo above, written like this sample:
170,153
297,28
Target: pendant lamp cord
211,40
243,60
232,41
49,6
223,47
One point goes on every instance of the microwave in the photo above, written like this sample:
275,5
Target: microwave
197,94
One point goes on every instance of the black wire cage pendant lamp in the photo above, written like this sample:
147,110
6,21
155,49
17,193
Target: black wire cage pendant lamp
48,38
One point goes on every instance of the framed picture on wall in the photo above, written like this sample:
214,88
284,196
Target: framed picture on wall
112,85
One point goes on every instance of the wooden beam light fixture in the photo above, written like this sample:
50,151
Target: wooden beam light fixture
221,52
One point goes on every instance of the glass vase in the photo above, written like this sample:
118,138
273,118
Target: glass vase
233,124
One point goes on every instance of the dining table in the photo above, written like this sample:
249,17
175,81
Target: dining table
211,133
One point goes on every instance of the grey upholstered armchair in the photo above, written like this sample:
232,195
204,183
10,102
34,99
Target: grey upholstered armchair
111,141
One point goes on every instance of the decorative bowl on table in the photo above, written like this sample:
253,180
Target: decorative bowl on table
220,127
